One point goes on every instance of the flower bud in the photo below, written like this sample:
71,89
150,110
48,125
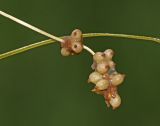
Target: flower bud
93,66
108,54
77,47
77,34
102,67
98,57
102,84
117,79
94,77
65,52
111,64
115,102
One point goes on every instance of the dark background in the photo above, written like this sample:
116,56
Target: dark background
42,88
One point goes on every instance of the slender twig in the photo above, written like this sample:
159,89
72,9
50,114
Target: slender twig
31,26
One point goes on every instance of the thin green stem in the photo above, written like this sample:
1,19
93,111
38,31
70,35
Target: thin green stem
153,39
26,48
49,41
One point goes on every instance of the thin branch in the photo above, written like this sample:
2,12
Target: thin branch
31,26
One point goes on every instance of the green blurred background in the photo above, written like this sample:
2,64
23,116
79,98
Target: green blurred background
42,88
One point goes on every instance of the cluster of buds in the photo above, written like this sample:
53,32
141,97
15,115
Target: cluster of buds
106,78
72,44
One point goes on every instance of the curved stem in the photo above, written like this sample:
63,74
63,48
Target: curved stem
89,50
153,39
49,41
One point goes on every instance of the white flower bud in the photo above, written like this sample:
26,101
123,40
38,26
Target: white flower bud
98,57
102,67
115,102
65,52
117,79
94,77
102,84
108,54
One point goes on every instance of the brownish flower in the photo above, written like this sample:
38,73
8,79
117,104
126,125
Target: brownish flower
106,78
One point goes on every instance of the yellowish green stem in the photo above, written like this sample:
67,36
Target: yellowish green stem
26,48
49,41
153,39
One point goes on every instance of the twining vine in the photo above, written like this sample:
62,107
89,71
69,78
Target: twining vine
104,76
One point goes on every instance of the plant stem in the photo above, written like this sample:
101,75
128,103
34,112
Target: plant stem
53,38
26,48
49,41
30,26
89,50
153,39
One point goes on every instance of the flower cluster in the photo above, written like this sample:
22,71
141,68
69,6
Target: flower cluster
106,78
72,44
